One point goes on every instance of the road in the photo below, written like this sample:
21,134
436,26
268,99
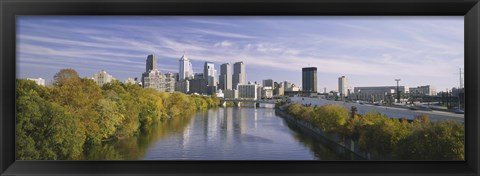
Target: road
392,112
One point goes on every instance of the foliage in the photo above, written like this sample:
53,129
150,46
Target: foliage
384,136
61,121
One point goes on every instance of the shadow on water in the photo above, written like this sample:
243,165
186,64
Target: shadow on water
322,148
134,148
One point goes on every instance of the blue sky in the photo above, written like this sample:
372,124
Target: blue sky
369,51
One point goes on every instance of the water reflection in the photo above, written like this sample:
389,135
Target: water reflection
134,148
233,133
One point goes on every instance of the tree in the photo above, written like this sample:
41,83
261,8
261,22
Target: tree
331,117
66,76
444,140
44,130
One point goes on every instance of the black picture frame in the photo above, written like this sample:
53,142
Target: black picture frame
470,9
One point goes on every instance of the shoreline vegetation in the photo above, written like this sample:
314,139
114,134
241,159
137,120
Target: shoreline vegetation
74,115
60,122
377,136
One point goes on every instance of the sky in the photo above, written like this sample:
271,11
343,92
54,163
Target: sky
368,50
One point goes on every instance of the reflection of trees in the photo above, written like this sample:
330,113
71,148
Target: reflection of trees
321,147
135,147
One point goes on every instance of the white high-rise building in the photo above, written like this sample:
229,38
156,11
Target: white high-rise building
225,78
186,71
39,81
239,74
102,78
342,86
210,74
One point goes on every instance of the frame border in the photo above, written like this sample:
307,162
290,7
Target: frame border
470,9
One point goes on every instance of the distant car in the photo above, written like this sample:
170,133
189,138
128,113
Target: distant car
459,111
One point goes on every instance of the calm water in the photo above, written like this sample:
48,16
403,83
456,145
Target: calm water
233,133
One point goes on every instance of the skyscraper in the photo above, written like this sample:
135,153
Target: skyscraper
239,74
151,63
210,74
186,71
225,77
152,78
342,86
309,79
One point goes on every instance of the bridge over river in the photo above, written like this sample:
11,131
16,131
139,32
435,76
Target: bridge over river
237,102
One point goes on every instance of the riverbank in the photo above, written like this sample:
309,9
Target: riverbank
339,144
376,136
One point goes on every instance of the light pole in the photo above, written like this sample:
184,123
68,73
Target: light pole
398,91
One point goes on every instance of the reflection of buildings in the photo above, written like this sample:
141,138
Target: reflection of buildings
211,125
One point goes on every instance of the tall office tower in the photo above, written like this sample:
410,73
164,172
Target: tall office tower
152,78
268,83
309,79
239,74
186,71
151,63
210,74
225,77
342,86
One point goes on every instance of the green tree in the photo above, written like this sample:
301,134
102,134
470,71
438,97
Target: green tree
444,140
44,130
331,117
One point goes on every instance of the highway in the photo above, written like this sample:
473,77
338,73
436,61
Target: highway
392,112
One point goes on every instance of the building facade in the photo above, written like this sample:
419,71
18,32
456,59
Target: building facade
247,91
185,70
102,77
153,78
39,81
225,77
239,74
375,94
309,79
210,74
279,89
151,63
268,83
267,92
342,87
423,91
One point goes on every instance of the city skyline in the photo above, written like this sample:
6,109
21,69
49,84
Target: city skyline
422,51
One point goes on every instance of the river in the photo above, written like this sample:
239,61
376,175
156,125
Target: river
231,133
